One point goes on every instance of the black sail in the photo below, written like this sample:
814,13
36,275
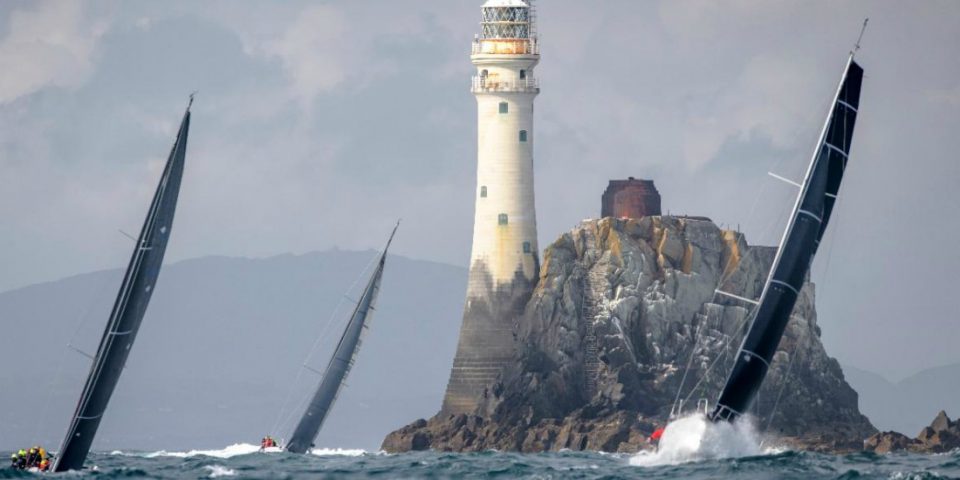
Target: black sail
339,365
128,310
797,248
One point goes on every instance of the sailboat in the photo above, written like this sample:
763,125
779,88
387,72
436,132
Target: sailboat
128,309
340,363
805,230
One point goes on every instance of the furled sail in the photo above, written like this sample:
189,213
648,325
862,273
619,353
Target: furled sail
128,309
797,248
340,364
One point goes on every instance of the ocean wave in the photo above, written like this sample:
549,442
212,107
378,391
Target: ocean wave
737,463
230,451
238,449
340,452
219,471
694,438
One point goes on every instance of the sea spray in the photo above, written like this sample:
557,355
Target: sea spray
239,449
219,471
694,438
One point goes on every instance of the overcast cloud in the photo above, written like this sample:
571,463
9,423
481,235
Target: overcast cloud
317,124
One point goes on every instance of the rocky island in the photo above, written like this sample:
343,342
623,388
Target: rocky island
625,315
943,435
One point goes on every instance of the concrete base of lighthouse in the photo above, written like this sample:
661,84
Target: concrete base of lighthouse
487,339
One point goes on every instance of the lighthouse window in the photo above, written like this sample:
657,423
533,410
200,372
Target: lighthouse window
526,247
504,107
523,74
523,135
483,191
502,219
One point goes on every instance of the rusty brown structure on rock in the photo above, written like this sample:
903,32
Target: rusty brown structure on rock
630,198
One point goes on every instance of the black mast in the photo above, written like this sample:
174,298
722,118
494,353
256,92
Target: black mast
340,363
798,246
128,309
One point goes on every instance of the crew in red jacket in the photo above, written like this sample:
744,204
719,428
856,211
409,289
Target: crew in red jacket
655,437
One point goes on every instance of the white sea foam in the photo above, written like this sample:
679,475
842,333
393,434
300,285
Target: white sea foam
230,451
219,471
694,438
238,449
345,452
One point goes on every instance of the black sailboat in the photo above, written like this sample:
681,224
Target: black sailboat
799,244
128,309
339,365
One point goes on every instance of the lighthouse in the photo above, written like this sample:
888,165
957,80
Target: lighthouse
504,262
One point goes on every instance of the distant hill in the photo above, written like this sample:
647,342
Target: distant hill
910,404
221,345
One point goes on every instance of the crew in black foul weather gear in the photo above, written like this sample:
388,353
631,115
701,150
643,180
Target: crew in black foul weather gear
33,457
19,460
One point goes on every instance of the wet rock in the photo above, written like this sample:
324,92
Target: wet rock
943,435
886,442
622,307
941,422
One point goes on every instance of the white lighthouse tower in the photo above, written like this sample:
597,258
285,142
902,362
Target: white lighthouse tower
504,263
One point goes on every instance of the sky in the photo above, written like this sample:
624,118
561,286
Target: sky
318,124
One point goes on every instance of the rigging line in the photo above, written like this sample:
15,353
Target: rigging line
727,273
316,343
283,417
107,340
122,302
725,276
724,351
835,221
796,205
81,321
286,420
683,379
783,386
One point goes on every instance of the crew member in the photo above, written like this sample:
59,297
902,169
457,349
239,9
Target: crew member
267,442
13,461
655,436
44,465
33,457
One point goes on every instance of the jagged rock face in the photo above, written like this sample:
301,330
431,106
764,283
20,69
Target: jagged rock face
886,442
623,307
645,290
943,435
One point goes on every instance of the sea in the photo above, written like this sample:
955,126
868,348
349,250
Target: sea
691,450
